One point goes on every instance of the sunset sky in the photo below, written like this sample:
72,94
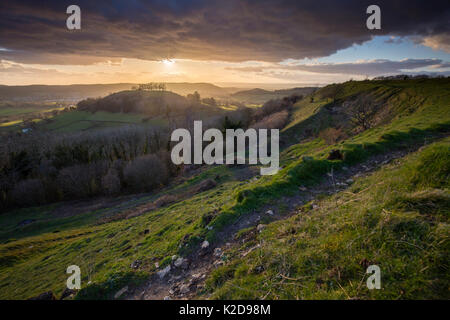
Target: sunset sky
291,42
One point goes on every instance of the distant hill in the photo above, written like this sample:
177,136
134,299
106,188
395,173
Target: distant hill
72,93
204,89
78,92
134,101
259,96
75,93
150,103
256,91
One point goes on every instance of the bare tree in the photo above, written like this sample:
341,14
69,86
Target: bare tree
363,112
152,86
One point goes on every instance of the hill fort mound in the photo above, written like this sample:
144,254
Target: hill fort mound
135,101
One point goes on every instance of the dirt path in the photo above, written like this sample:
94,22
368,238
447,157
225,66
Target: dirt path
187,280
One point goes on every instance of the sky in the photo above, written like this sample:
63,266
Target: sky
310,42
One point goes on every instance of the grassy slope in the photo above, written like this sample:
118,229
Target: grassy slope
260,96
397,218
428,119
36,262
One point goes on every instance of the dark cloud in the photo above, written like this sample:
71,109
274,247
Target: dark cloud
373,67
369,68
227,30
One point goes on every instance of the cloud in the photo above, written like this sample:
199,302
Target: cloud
23,74
369,68
438,42
10,68
372,67
231,30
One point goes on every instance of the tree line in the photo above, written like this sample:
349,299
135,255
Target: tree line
42,167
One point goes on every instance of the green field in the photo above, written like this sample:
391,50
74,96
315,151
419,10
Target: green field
4,112
74,121
11,118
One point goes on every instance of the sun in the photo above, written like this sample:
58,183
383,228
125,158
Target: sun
168,62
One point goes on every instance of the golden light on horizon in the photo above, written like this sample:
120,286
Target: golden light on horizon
168,62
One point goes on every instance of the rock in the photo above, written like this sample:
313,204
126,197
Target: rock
185,264
179,262
269,212
335,155
45,296
184,289
205,244
163,272
349,181
67,293
302,188
136,264
218,252
120,292
260,227
218,263
167,298
196,276
174,257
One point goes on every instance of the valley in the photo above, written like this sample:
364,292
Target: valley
346,197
